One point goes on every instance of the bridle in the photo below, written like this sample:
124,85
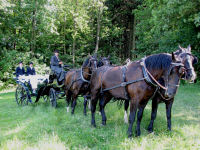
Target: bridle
186,69
92,69
107,60
166,80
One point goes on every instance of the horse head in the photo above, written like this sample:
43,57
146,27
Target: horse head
188,60
104,61
172,78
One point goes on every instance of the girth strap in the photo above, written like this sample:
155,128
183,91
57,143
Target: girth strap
124,83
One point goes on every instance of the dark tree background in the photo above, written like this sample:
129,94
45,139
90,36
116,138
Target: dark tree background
31,30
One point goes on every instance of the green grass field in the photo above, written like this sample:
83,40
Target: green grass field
39,126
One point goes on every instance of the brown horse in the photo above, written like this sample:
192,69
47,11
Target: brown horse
79,85
136,82
185,56
77,81
188,60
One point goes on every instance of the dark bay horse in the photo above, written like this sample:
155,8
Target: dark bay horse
77,81
135,82
188,60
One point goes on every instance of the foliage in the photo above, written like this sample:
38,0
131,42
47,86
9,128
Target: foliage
127,29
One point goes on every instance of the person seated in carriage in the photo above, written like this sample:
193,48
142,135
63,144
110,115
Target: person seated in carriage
30,70
20,70
56,67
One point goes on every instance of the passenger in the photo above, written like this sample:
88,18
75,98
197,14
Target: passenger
20,70
30,70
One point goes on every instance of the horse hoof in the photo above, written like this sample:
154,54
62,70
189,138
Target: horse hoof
67,109
103,123
130,136
150,130
94,125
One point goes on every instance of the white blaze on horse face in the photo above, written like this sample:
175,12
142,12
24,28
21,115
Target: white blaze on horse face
125,117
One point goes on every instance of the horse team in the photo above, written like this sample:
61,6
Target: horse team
155,77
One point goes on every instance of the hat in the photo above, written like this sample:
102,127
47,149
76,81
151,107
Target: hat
30,63
56,51
20,62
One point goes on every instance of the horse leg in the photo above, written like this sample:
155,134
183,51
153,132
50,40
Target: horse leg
85,105
153,114
133,109
102,103
126,105
93,109
68,99
168,113
74,103
139,119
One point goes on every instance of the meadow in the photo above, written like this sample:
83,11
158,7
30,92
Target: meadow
39,126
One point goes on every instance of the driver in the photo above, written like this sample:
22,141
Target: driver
56,66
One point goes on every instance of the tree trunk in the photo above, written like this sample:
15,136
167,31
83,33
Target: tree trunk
134,34
73,50
33,40
98,29
74,36
64,35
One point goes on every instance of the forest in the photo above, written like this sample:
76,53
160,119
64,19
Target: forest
30,30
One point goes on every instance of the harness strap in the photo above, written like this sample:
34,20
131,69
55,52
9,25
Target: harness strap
83,77
149,74
124,68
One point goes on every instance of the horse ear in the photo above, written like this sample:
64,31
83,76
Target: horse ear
195,61
189,48
180,47
173,57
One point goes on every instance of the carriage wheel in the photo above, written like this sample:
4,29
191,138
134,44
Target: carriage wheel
21,96
52,96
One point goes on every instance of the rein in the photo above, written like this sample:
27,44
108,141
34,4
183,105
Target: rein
148,77
157,83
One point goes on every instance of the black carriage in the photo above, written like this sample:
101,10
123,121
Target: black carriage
48,92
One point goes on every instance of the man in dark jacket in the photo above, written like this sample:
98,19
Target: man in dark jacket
30,70
56,67
20,70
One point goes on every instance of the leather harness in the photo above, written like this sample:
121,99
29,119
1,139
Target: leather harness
147,77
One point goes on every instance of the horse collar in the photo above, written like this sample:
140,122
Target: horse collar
83,77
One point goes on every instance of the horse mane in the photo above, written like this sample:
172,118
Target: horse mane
86,62
158,61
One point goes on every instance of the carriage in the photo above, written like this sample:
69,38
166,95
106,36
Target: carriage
43,89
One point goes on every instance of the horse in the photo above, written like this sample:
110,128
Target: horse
103,61
188,60
136,82
78,85
77,81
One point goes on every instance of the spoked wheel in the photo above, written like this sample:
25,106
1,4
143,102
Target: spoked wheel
52,96
21,96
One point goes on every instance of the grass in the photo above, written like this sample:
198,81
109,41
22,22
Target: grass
39,126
